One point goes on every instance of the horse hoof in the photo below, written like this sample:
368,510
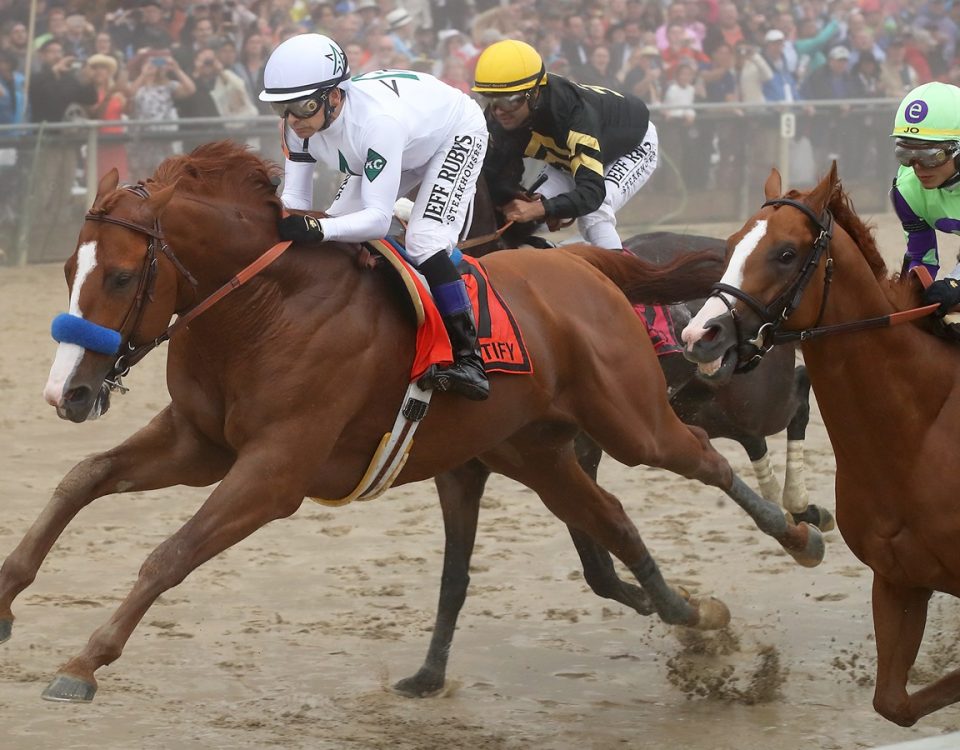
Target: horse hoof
815,516
812,552
65,688
6,628
422,685
714,614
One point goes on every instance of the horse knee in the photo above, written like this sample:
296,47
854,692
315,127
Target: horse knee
896,710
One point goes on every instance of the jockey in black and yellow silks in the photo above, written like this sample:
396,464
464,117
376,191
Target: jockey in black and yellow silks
599,146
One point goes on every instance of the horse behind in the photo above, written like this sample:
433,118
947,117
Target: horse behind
284,388
889,397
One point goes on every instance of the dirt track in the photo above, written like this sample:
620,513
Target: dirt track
292,638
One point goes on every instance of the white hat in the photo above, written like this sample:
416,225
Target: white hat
839,53
774,35
445,34
397,18
367,5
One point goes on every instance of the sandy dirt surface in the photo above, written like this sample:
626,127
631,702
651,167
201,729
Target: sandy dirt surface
292,638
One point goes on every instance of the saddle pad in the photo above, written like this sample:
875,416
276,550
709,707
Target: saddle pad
498,335
661,327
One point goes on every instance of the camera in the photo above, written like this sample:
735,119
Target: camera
76,66
158,62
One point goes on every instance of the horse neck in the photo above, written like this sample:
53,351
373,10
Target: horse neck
888,383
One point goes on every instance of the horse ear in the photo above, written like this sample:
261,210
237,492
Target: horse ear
158,200
773,187
108,183
819,198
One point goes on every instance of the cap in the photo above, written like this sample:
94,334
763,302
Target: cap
397,18
774,35
367,5
445,34
649,50
839,53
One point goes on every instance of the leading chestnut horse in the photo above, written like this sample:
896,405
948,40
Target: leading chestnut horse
284,388
889,397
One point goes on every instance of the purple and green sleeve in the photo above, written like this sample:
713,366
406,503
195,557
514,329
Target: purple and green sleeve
921,237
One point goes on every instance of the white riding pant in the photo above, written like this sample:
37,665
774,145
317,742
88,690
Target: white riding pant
622,177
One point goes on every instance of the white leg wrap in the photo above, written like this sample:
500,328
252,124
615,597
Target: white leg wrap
795,495
769,485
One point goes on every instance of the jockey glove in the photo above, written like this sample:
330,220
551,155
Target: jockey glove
300,229
946,292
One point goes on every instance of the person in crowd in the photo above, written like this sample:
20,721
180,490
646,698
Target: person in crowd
201,38
599,146
927,146
727,29
158,82
644,79
753,72
13,102
111,105
683,138
413,132
253,58
78,37
781,86
597,71
400,30
898,76
16,40
60,83
574,46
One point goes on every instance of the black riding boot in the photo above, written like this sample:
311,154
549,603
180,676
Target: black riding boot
466,375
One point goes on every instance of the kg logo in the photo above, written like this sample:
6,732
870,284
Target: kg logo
374,165
915,111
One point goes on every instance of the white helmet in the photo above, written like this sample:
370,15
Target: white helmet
303,65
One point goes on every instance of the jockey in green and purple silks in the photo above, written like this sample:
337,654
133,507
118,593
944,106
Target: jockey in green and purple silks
926,191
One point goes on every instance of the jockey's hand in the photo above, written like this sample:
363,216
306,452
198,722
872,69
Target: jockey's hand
946,292
301,229
523,211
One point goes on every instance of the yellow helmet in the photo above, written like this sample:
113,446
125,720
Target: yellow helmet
509,66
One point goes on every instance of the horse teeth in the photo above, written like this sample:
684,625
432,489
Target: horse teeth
709,368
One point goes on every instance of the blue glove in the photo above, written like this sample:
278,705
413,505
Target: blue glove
300,229
946,292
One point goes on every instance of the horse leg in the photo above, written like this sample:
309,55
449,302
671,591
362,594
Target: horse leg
551,470
899,618
759,455
598,570
261,487
460,491
796,499
685,450
167,451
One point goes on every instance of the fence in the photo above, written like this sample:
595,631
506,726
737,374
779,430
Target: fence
712,169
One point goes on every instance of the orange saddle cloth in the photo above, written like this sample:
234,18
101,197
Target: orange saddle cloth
498,335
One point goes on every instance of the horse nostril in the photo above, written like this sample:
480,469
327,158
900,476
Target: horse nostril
710,333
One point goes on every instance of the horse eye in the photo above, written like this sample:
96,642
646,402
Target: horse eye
787,255
121,279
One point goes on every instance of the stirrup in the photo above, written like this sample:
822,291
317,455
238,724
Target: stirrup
455,379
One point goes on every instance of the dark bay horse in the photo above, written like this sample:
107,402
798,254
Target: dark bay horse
889,396
284,388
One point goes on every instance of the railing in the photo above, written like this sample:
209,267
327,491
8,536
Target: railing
711,170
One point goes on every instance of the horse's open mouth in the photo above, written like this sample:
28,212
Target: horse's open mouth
720,369
79,405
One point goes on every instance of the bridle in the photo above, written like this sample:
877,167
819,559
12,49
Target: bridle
131,353
773,315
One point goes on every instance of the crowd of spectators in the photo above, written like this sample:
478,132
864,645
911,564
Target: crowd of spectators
166,60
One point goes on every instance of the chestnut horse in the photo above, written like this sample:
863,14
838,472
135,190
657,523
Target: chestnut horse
284,388
889,397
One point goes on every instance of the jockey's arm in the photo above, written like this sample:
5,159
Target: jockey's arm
297,185
920,236
586,165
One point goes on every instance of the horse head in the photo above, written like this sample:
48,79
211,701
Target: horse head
776,281
121,296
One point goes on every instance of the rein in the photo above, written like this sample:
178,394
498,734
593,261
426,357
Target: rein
485,238
769,333
145,288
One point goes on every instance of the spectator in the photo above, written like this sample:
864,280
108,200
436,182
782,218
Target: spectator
622,51
78,37
781,86
835,80
454,73
644,79
720,84
16,40
831,133
726,31
368,13
681,93
453,43
753,72
253,58
160,81
811,43
60,83
400,31
573,46
13,103
111,104
597,71
867,71
217,93
201,37
916,46
677,16
680,47
897,74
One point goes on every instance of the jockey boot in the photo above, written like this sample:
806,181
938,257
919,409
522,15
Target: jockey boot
466,375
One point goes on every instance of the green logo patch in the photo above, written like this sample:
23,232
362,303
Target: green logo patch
374,165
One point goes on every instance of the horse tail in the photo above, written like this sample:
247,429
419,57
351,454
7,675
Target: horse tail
689,276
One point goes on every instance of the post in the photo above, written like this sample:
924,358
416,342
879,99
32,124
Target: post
91,166
788,129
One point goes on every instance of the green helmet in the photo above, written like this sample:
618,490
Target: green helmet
930,112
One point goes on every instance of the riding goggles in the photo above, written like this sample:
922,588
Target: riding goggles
928,157
301,109
506,103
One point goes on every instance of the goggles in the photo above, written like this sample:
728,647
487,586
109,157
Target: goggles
928,157
301,109
506,103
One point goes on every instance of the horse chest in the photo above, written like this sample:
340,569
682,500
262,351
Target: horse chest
901,554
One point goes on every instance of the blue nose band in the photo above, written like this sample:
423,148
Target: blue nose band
72,329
